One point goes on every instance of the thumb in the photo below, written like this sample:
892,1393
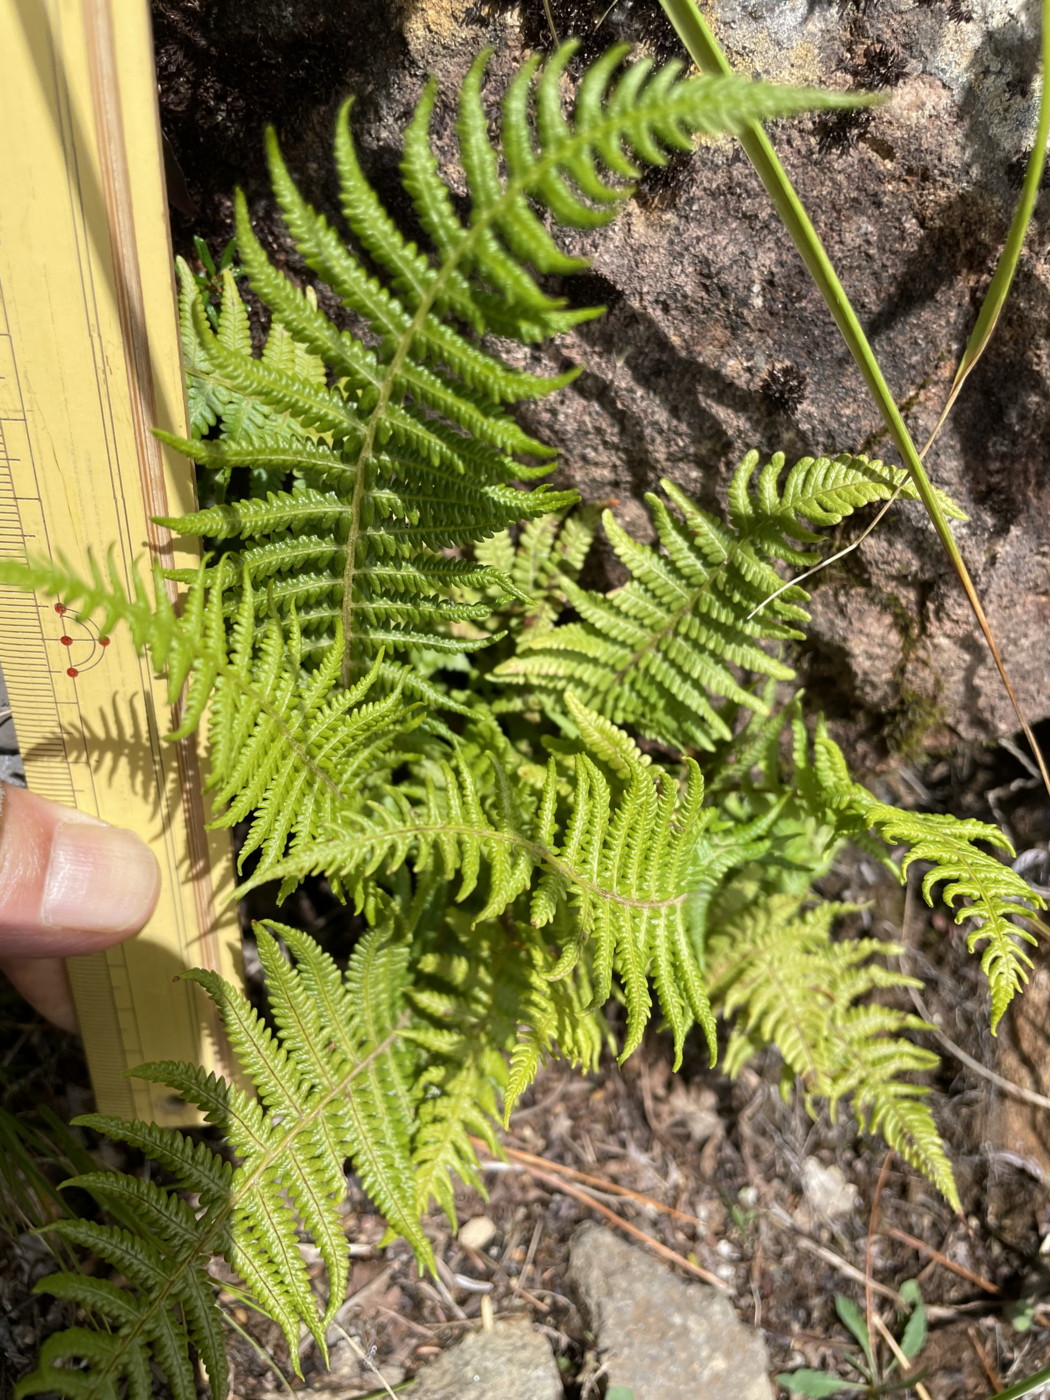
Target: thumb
69,884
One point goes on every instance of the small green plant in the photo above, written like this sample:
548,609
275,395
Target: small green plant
531,810
871,1379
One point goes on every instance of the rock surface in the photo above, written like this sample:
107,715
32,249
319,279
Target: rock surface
11,770
511,1362
715,340
658,1336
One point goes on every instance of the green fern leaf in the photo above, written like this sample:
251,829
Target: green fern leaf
531,568
656,653
622,857
777,974
408,446
165,1307
996,896
333,1081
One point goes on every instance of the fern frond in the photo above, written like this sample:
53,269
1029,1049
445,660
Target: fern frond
621,855
333,1082
469,993
656,653
405,439
548,550
996,896
290,747
781,980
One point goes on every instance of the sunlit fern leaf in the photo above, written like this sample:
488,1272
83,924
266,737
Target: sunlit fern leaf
217,405
332,1082
975,883
490,1010
662,651
407,440
467,995
562,1015
781,980
290,747
165,1306
621,855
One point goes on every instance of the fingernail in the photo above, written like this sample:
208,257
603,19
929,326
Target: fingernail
99,879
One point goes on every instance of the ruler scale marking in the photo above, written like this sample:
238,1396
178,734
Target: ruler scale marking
80,174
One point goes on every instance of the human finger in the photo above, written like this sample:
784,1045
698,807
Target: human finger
69,884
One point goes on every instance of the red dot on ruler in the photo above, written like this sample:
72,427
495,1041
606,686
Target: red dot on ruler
66,641
103,641
72,672
60,608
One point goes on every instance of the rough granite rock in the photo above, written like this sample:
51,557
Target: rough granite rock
715,339
658,1336
511,1362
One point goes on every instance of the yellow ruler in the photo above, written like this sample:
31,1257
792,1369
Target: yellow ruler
89,362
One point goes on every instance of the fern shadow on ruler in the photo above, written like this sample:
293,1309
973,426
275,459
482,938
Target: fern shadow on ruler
395,702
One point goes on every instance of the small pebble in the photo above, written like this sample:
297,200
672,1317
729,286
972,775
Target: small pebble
827,1190
477,1233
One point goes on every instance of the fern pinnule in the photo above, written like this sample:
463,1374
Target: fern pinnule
467,996
531,567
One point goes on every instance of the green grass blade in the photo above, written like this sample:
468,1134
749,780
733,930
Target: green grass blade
815,1383
1002,279
851,1317
1025,1387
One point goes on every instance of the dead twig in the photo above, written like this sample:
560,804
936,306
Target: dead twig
365,1358
869,1243
941,1259
528,1160
778,1217
518,1286
984,1359
902,1361
1017,1091
578,1193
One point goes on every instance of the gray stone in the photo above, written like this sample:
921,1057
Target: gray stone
660,1337
513,1361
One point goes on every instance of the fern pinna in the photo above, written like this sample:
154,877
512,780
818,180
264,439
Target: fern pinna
393,701
661,652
